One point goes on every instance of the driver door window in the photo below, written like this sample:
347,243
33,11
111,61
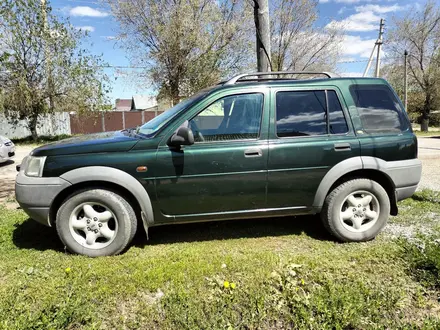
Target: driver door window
235,117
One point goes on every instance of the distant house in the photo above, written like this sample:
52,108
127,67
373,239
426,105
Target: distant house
143,102
123,105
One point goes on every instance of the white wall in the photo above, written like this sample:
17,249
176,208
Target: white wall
55,124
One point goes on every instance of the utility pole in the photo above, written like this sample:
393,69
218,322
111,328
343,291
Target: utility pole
405,98
377,45
262,26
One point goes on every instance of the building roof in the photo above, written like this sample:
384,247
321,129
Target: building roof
142,102
123,105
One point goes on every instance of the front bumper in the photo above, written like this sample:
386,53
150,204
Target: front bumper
6,152
35,195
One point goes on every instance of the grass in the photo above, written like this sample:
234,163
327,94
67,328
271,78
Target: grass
255,274
427,134
43,139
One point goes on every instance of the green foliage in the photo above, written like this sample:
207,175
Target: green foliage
423,256
417,32
42,139
43,67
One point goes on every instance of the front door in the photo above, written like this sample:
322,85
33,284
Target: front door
309,135
226,169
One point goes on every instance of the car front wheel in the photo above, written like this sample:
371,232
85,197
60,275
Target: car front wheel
356,210
96,223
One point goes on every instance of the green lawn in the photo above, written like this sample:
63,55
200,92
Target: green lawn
255,274
427,134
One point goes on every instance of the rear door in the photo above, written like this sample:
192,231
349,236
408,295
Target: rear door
309,134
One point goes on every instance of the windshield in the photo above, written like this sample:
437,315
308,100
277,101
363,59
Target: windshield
150,128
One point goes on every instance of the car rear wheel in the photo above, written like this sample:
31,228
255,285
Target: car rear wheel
356,210
96,223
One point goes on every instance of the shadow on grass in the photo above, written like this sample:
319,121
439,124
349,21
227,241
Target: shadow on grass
233,229
32,235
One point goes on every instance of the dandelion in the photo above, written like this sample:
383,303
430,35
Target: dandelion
226,284
68,270
303,282
232,285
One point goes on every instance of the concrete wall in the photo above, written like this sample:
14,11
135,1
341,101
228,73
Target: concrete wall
55,124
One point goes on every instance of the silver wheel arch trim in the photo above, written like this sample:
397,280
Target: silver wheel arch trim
118,177
343,168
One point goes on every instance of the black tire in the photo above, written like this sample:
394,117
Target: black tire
123,219
334,203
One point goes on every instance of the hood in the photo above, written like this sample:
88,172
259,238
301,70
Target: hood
4,139
90,143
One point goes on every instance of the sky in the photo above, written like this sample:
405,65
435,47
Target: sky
360,18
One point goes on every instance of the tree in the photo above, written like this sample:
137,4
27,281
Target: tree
297,44
186,45
419,33
42,67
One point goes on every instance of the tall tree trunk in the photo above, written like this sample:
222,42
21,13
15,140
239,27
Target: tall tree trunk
174,90
32,125
425,113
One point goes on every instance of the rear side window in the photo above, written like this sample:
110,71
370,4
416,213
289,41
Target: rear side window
305,113
337,122
378,108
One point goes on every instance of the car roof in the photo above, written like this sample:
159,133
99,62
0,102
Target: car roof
340,81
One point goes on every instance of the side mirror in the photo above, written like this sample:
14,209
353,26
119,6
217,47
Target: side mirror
183,136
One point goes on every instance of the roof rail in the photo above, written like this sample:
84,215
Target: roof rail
235,79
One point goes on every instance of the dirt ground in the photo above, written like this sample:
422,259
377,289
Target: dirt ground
429,153
8,173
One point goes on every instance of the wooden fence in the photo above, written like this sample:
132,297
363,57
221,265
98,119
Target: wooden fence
109,121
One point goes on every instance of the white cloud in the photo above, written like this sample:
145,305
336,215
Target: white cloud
366,18
356,46
347,59
87,28
351,74
379,9
109,38
353,1
342,10
360,22
87,11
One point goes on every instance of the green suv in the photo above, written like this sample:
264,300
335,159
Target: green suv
258,145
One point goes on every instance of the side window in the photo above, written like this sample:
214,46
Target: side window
233,117
301,113
378,108
337,121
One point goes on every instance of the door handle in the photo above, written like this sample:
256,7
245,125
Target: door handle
342,146
250,153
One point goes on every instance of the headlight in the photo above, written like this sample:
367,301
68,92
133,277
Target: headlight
34,166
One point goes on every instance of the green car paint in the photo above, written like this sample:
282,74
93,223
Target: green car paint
260,177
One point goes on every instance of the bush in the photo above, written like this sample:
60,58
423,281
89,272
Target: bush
41,139
423,257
